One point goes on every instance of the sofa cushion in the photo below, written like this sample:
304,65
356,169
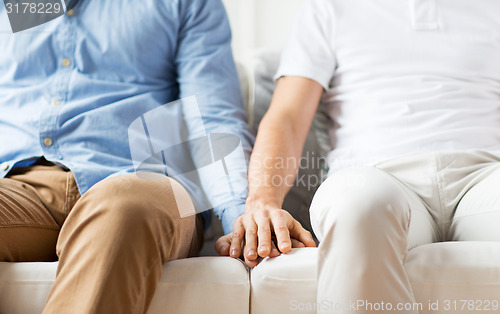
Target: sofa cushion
196,285
449,273
24,287
285,284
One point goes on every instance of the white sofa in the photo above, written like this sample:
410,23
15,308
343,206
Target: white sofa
448,273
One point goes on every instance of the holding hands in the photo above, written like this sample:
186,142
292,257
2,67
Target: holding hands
266,229
263,231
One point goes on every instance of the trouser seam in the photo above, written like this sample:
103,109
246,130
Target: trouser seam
66,200
439,184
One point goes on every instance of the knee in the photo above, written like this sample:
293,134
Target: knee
360,200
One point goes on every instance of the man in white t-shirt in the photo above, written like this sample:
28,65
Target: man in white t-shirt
413,90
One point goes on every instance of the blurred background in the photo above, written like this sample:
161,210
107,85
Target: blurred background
260,23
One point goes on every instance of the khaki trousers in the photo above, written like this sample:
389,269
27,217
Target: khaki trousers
111,242
368,218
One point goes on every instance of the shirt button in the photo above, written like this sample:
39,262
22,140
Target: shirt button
4,166
47,141
66,62
70,12
56,102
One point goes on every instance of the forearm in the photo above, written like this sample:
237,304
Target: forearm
275,161
273,167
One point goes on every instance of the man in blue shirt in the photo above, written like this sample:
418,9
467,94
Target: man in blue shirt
69,91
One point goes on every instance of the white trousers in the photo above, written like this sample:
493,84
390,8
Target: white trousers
368,218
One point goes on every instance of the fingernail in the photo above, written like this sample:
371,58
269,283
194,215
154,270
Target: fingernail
284,244
224,248
251,252
234,252
263,248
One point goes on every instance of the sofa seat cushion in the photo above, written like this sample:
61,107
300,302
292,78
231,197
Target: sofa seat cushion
446,272
457,274
285,284
195,285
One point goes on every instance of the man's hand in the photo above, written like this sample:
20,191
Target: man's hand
261,232
223,246
282,134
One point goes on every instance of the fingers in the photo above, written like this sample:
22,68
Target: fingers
274,251
281,220
301,234
253,263
237,239
297,244
264,236
223,244
250,239
256,231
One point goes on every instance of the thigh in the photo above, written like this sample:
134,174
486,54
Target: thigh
28,232
367,191
145,211
477,215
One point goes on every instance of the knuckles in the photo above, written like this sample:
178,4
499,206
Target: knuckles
251,232
280,228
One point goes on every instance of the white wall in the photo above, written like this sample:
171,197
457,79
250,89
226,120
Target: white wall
260,23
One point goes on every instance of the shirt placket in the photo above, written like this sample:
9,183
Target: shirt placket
65,39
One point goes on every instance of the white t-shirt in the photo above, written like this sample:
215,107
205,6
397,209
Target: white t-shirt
401,76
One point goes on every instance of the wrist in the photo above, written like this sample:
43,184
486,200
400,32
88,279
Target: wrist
253,203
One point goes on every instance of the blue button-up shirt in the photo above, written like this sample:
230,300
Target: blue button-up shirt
70,88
